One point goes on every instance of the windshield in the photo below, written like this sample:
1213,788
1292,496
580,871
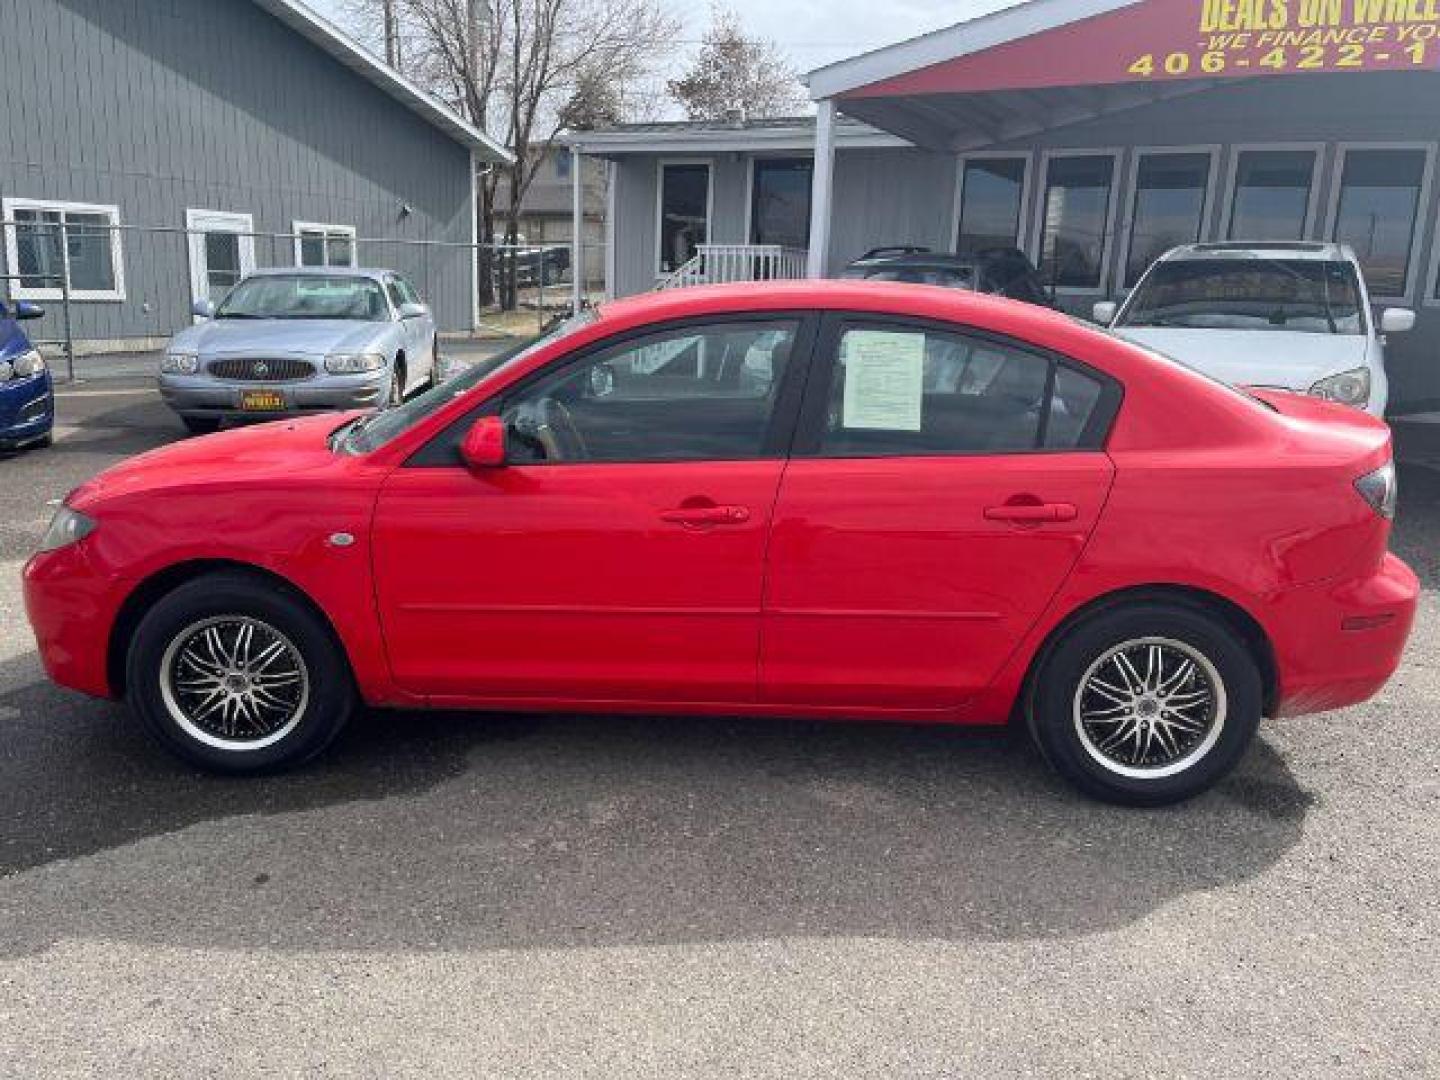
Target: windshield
1306,295
306,296
375,430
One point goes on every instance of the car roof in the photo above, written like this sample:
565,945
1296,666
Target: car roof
1295,250
323,271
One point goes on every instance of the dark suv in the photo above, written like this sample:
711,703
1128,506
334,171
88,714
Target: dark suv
1004,271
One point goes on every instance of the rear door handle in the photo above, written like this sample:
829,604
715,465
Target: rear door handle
706,515
1032,513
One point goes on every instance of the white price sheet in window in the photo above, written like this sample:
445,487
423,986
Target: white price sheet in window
884,380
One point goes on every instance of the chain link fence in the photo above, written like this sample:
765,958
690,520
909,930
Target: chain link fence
112,288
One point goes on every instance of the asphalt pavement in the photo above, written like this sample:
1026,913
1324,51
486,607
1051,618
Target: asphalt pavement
475,895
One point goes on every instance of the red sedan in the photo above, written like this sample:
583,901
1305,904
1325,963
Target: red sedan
838,499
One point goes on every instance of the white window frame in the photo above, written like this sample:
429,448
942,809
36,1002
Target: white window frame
1227,205
1422,206
1027,183
1037,229
660,167
1132,193
752,162
299,227
12,253
198,222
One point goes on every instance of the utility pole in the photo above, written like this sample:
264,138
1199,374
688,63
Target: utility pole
392,35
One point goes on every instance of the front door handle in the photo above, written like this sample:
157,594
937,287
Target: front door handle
706,515
1032,513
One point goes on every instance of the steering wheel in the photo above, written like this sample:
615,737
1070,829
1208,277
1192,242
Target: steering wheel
558,434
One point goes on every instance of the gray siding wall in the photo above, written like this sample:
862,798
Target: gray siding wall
162,105
908,196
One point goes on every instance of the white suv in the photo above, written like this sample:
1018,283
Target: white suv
1289,315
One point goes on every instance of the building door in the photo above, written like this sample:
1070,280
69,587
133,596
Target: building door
222,251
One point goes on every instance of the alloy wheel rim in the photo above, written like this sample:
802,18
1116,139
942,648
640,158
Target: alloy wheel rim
234,682
1150,707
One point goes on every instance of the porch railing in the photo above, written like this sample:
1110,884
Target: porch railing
714,264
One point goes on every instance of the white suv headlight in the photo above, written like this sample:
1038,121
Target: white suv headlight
180,363
353,363
1348,388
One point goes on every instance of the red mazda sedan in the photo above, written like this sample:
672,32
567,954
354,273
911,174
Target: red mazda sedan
808,499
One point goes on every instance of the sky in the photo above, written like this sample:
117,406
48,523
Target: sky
811,32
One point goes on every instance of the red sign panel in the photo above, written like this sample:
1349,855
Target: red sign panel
1158,40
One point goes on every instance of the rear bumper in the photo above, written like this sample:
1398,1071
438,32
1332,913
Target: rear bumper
201,396
1342,641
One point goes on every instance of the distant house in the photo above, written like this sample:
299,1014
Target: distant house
546,211
254,124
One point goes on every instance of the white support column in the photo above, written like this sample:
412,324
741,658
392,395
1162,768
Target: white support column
577,231
822,185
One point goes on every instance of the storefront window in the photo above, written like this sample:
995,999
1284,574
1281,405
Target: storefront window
991,194
780,202
1379,201
1272,195
1073,240
684,213
1169,203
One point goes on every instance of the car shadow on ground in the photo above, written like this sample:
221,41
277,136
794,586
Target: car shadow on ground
475,831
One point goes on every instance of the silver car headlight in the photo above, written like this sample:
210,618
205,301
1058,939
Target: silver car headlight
66,527
180,363
1348,388
25,366
353,363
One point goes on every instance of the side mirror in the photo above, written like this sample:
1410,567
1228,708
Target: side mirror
204,308
413,311
1396,320
26,310
1104,312
484,444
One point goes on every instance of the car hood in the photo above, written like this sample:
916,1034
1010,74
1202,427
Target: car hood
285,451
311,337
13,341
1295,361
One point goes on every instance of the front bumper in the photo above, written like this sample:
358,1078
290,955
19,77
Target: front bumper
1343,640
72,608
204,396
27,411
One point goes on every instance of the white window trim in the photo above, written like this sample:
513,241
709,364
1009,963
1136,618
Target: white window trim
752,162
200,221
1132,195
1227,205
1422,205
660,167
12,254
1027,182
1037,229
297,227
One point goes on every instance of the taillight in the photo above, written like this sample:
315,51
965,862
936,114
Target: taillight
1380,489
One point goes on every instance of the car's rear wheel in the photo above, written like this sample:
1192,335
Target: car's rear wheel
201,425
235,673
1146,704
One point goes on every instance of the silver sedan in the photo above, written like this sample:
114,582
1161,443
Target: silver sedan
290,341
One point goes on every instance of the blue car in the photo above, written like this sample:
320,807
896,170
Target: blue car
27,398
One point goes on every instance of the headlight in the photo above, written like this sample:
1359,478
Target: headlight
1380,489
353,363
66,527
180,363
28,364
1348,388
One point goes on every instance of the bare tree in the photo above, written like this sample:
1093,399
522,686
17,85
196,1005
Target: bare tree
519,70
735,74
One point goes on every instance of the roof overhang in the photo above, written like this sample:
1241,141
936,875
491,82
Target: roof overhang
718,139
320,31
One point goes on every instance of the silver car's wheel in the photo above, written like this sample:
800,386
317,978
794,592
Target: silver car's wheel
234,682
1150,707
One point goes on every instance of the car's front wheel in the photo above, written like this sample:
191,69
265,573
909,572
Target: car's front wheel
235,673
1146,704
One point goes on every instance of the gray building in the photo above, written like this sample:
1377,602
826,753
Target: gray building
1093,134
179,143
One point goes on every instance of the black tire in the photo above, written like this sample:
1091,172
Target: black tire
223,599
434,379
201,425
396,394
1081,751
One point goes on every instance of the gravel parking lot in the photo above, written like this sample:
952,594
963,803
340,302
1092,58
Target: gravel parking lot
659,897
